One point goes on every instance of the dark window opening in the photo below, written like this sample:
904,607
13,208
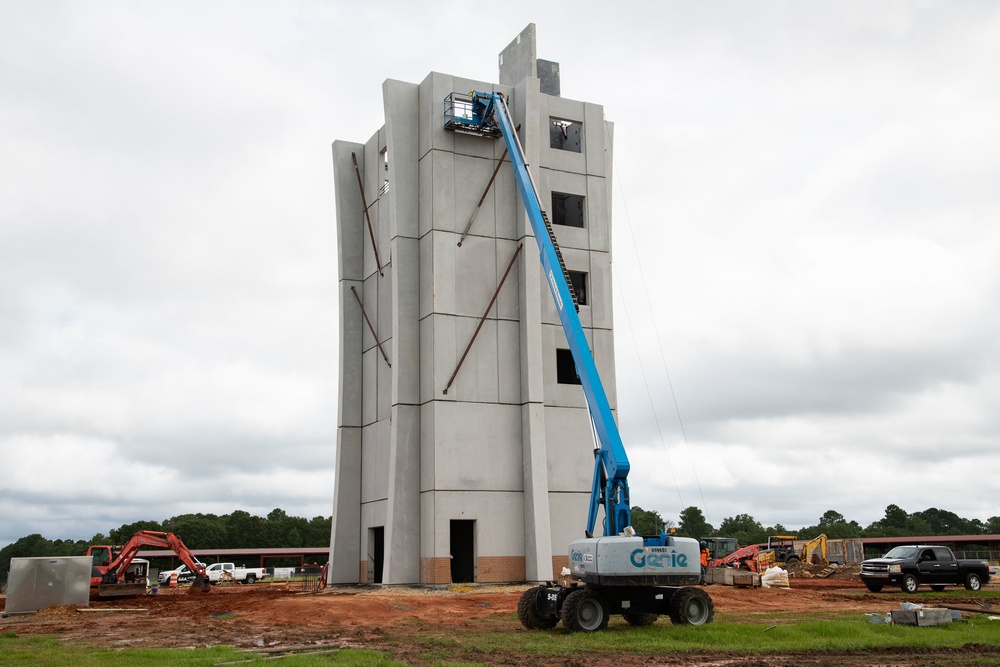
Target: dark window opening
463,556
565,135
579,282
566,368
385,181
567,210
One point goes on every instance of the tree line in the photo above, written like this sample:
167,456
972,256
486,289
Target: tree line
237,530
897,522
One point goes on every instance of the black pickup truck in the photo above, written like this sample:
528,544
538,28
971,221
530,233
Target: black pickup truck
934,566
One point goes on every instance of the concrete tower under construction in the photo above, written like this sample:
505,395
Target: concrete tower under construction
464,441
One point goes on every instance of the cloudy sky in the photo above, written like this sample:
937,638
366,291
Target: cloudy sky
806,238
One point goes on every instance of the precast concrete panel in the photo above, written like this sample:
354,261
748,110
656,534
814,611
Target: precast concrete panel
370,361
384,374
598,210
345,547
600,290
472,175
441,192
571,458
350,214
383,305
406,330
428,448
569,519
518,60
480,449
509,361
594,136
375,453
475,274
477,378
496,534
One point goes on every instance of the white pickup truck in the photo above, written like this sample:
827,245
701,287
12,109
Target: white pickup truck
218,572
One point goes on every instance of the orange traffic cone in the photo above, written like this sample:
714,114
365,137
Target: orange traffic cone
173,580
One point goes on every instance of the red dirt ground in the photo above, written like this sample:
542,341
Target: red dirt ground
281,616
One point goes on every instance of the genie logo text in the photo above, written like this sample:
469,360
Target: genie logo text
660,558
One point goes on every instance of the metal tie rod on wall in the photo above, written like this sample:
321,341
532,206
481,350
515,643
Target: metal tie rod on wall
483,318
370,327
364,203
485,192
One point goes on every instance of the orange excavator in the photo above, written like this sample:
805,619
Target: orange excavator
111,577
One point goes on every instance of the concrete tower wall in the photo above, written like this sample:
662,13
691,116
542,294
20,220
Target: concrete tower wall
491,480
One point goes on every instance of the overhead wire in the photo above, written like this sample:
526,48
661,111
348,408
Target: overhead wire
659,343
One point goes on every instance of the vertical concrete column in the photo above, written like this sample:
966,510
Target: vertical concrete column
402,530
537,530
345,539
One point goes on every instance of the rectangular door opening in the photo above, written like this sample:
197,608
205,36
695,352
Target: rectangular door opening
463,551
376,554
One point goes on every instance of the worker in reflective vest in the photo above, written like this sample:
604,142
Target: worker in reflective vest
704,562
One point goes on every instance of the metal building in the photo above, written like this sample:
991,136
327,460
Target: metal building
464,442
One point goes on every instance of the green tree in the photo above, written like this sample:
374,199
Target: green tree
744,528
830,518
121,535
992,526
29,546
648,522
199,531
693,524
319,531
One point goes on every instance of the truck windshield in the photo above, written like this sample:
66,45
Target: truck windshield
902,552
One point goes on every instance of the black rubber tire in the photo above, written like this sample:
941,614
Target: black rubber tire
583,610
973,582
909,584
691,606
639,620
937,588
792,560
528,614
873,586
251,578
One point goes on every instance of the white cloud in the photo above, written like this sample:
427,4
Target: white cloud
810,187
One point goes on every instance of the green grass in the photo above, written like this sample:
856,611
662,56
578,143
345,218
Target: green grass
781,633
52,652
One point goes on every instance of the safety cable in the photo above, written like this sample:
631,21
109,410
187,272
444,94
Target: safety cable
663,358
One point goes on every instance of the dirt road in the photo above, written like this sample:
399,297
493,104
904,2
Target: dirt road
278,615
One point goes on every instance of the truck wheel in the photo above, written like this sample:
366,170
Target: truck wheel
250,578
937,588
973,582
528,614
584,611
691,606
639,620
909,584
873,586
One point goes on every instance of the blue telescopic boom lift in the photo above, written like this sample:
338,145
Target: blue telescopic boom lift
620,572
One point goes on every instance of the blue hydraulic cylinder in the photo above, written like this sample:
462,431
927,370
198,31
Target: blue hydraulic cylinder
611,466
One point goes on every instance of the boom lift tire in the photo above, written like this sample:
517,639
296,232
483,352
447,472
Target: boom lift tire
584,611
527,613
639,620
909,584
691,606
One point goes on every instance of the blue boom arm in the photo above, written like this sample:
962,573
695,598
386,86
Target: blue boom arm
610,485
